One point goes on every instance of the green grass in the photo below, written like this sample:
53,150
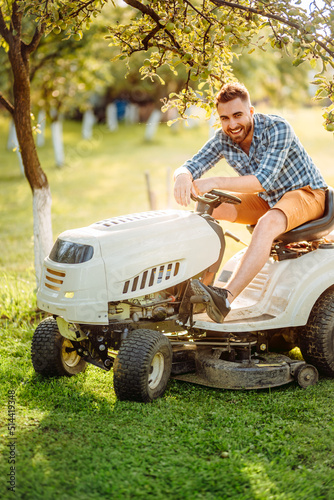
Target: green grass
73,439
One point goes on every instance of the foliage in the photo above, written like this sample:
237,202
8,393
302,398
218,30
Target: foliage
207,36
271,77
24,24
68,74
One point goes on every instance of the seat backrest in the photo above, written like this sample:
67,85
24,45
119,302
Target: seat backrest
313,229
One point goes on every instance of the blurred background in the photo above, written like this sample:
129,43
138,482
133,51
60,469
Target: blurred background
107,147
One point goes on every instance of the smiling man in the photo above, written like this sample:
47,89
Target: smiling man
279,185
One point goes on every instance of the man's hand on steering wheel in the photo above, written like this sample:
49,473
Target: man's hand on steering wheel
202,186
200,190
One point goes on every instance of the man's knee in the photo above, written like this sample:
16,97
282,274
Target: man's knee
271,224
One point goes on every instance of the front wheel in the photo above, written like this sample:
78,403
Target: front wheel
317,337
52,354
143,366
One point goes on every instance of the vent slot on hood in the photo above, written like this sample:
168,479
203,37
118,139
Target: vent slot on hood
150,277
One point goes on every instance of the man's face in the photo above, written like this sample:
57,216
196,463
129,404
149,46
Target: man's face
236,118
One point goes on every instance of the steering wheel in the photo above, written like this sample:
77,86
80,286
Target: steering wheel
215,197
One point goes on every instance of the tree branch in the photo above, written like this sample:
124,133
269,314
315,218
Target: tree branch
32,46
16,18
83,6
222,3
35,68
6,104
145,9
197,11
150,35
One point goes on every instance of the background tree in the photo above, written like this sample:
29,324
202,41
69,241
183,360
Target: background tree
22,26
207,36
66,73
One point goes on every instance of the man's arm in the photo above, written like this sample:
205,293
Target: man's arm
194,168
244,184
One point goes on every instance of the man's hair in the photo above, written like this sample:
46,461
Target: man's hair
231,91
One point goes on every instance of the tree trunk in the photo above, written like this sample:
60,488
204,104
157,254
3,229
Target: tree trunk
36,177
57,141
43,239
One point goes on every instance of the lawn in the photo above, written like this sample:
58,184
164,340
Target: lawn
70,438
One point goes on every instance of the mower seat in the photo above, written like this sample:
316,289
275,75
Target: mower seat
313,229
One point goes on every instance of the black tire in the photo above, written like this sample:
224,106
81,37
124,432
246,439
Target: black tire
52,354
143,366
317,337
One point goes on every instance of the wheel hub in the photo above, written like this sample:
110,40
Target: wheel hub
69,354
156,370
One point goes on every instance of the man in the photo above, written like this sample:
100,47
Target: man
279,185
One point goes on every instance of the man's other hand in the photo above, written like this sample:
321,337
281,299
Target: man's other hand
182,189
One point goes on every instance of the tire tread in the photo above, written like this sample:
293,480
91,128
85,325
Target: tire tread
130,374
46,351
317,339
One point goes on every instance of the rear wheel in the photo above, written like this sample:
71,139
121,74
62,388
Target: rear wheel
317,337
54,355
143,366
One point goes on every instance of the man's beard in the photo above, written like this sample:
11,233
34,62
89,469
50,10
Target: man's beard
240,136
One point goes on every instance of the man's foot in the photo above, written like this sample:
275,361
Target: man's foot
217,305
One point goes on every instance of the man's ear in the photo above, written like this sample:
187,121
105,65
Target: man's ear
251,109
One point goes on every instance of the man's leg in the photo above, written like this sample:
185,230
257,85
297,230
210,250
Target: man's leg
293,209
226,211
218,300
248,212
271,225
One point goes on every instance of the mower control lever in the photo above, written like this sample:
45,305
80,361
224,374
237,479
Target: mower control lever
226,197
208,201
215,196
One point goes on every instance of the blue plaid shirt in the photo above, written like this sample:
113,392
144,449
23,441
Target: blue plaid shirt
276,157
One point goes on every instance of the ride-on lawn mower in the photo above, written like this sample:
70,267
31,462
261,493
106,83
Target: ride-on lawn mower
117,293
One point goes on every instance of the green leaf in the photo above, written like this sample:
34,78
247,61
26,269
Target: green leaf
313,63
297,62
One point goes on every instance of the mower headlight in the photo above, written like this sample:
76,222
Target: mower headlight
67,252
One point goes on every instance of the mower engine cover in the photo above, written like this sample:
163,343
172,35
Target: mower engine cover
124,257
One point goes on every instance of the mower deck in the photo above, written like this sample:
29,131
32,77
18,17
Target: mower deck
204,367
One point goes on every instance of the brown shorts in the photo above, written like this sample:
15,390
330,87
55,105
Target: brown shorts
299,206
